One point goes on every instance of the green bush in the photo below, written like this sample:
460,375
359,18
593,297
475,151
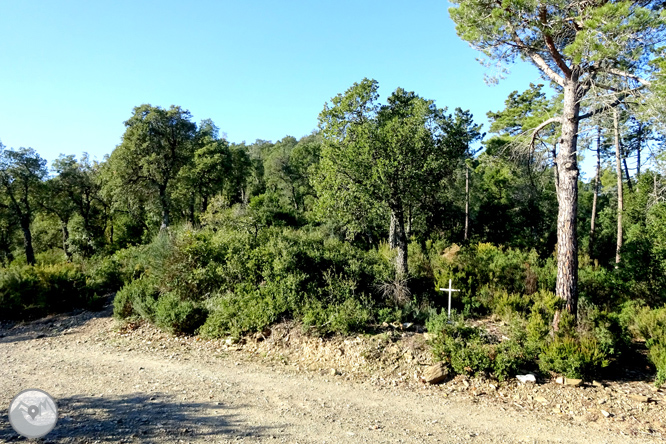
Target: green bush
249,308
491,277
509,358
31,291
470,350
247,282
658,357
105,275
573,357
649,324
346,317
139,297
20,291
177,316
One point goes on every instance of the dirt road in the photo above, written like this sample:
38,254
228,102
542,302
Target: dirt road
112,389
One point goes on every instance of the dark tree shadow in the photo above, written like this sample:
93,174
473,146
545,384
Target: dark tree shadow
52,325
148,418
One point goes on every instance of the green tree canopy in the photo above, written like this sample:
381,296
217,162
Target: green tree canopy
157,143
382,157
21,174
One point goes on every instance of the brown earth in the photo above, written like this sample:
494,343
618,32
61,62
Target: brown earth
133,383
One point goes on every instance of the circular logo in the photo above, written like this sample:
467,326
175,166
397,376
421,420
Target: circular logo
33,413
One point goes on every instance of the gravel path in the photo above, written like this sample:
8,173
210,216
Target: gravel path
113,388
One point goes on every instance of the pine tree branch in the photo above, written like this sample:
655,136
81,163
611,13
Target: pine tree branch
628,75
536,57
535,131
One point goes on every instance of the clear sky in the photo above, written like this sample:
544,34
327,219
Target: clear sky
73,70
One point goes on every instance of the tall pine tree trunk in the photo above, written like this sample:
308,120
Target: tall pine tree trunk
638,151
567,196
620,202
466,201
596,194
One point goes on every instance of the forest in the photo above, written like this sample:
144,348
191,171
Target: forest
358,225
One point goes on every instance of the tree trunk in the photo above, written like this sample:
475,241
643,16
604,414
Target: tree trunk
398,221
27,241
408,228
111,231
204,203
596,194
620,203
626,174
638,151
65,240
192,211
165,208
466,201
567,197
555,171
393,243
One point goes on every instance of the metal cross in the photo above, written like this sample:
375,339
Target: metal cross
449,290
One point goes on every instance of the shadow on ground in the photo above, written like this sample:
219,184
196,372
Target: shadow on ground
148,418
52,325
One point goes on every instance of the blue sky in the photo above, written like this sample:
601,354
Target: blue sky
73,70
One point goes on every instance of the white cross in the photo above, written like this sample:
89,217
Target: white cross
449,290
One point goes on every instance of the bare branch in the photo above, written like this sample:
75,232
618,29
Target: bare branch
544,124
620,99
628,75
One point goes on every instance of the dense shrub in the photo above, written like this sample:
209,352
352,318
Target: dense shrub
246,282
346,317
485,272
470,350
250,308
650,325
177,316
30,291
139,298
573,357
104,274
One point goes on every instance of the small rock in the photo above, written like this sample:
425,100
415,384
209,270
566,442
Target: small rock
541,399
605,413
525,379
492,386
465,383
573,382
597,384
334,372
560,379
639,398
436,373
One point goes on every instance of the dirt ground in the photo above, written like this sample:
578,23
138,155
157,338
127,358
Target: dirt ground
133,383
